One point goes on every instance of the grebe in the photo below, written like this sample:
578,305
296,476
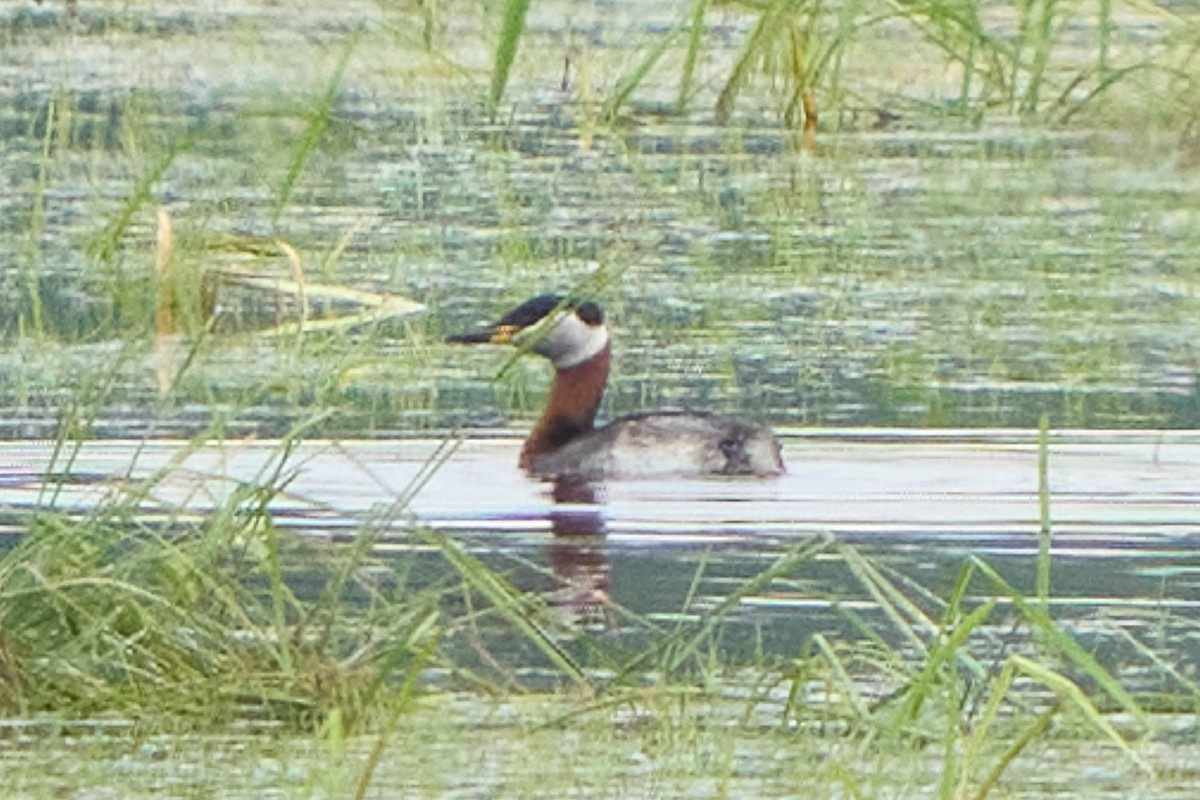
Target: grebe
565,444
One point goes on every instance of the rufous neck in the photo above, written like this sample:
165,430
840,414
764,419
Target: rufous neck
571,409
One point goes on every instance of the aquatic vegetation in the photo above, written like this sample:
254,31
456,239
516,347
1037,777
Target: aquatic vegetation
146,611
121,609
316,123
186,633
995,277
816,58
513,17
870,284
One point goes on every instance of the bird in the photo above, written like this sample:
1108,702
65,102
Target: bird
565,444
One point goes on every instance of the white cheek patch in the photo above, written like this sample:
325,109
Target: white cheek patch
571,341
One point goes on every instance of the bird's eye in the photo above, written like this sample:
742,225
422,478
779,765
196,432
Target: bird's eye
590,313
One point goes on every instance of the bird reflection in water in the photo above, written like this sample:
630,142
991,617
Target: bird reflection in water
581,567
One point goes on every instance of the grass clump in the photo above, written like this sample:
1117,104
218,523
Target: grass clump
1041,60
175,619
950,675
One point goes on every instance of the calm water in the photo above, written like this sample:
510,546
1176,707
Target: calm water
1124,515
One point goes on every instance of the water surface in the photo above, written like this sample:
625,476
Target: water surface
1123,514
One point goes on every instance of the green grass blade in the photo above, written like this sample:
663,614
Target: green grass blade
1068,690
1015,748
786,564
328,605
941,655
506,49
1189,684
1039,617
904,614
401,703
509,602
695,37
310,137
103,245
841,676
31,257
769,26
1108,80
629,83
